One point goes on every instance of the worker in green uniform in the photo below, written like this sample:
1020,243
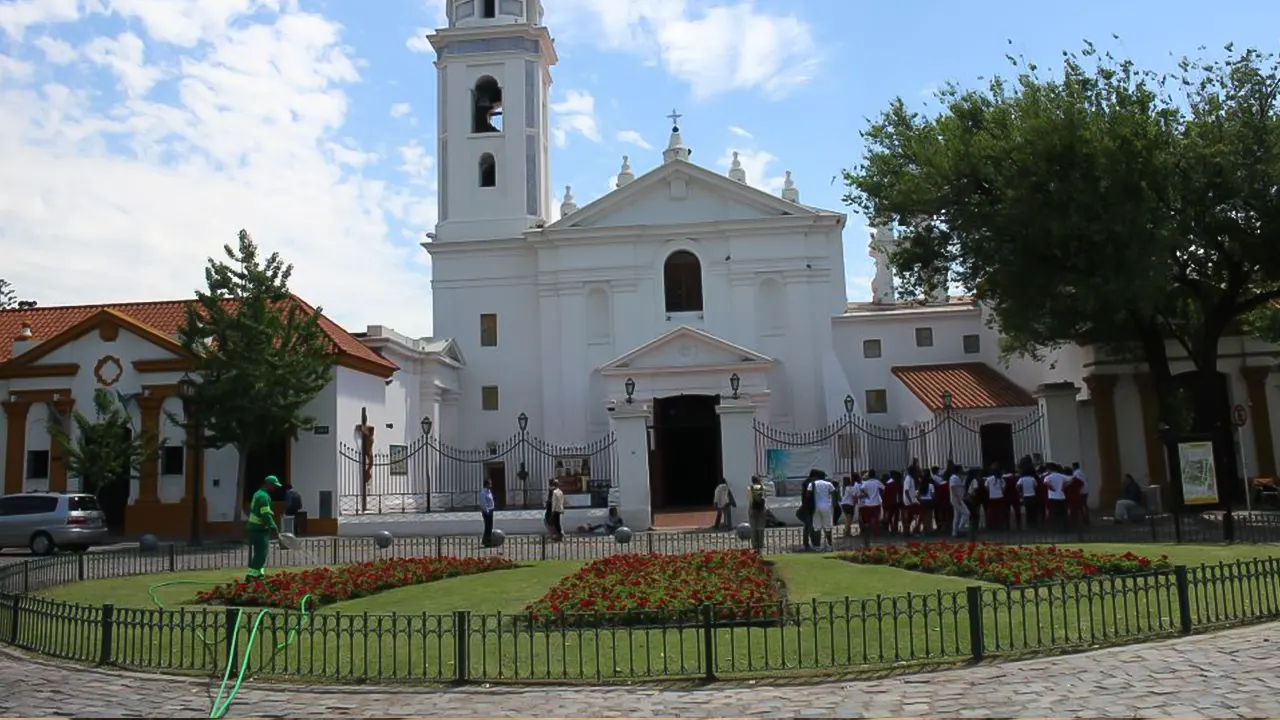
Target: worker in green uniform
262,522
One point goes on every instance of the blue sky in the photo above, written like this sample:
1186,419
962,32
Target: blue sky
137,136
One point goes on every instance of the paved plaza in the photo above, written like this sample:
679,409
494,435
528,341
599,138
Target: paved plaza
1227,674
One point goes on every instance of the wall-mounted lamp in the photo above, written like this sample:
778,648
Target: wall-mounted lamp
734,383
630,387
849,404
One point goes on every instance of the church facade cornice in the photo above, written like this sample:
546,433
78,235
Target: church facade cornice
754,227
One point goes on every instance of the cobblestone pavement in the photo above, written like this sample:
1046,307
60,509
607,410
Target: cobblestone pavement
1227,674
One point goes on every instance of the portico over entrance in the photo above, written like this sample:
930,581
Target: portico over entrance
683,375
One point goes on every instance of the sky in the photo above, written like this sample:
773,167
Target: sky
137,137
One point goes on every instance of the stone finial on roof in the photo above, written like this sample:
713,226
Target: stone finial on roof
883,243
676,149
25,333
625,176
568,207
736,173
789,191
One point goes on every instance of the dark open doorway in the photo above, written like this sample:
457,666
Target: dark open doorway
686,436
997,446
271,458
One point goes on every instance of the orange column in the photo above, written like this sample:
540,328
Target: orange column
149,473
1102,390
15,445
1255,382
57,456
1157,466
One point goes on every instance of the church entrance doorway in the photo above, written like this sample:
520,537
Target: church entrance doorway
686,463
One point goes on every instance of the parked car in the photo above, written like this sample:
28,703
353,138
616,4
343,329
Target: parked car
45,522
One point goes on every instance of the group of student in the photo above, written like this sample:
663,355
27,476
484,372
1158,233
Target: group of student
953,499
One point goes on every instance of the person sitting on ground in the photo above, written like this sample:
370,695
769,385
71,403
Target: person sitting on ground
612,522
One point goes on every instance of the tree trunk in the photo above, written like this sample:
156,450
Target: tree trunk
1157,356
242,467
1212,405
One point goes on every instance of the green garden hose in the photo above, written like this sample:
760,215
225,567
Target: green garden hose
220,705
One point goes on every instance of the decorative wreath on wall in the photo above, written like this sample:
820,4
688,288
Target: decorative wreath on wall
108,371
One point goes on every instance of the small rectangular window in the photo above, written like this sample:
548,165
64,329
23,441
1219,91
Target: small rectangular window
489,397
173,460
399,457
870,348
924,337
972,344
37,464
488,330
877,402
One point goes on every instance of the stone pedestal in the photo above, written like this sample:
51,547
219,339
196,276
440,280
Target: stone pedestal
631,432
1060,420
737,448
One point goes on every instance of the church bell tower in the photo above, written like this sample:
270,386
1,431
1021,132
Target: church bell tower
493,80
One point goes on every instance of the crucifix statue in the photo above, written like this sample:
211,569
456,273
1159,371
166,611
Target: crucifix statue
365,431
675,118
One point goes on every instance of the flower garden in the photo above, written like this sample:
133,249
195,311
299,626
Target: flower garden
660,589
286,590
1009,565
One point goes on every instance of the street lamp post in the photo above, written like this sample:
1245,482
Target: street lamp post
187,387
946,405
425,425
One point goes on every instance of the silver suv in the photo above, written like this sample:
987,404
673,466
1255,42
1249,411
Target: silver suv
45,522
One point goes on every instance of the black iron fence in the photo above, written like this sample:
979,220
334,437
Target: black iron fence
845,635
854,444
430,475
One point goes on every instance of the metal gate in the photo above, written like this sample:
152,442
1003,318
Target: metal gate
430,475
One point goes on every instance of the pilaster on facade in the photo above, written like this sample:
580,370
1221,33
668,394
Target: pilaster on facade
1153,444
1102,390
1255,382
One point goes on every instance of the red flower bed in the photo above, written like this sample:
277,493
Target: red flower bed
659,589
1006,564
325,585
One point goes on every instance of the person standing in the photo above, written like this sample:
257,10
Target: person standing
262,522
486,512
1056,485
555,511
823,509
1029,498
849,503
805,514
1078,474
724,506
995,507
911,504
757,514
872,501
959,508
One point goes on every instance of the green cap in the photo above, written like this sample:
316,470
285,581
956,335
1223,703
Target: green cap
272,480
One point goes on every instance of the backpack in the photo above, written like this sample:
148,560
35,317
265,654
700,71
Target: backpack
756,492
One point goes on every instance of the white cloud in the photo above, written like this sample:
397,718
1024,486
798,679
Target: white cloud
124,57
109,196
56,51
724,48
17,16
756,163
575,113
15,69
740,132
399,110
418,42
634,138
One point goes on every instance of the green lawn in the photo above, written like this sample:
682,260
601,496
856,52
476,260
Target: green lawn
842,617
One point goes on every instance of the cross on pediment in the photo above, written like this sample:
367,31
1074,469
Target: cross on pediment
675,118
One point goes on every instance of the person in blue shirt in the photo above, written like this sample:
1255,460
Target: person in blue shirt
486,511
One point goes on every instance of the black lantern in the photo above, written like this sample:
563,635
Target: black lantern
187,388
630,387
425,425
946,399
523,422
848,404
734,383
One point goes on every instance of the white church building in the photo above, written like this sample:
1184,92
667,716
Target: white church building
684,327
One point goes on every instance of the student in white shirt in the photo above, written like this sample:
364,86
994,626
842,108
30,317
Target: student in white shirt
960,521
872,500
997,513
823,501
1056,484
849,503
1078,474
910,504
1027,495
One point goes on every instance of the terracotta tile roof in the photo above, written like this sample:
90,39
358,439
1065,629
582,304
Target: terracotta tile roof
164,316
973,386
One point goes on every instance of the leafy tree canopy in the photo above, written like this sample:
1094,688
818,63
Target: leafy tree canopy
8,298
105,449
260,355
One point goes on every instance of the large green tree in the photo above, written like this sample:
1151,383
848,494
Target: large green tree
1105,203
104,450
260,355
8,298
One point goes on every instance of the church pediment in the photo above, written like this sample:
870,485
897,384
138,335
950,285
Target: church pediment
679,193
685,348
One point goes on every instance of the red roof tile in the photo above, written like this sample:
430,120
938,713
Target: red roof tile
164,316
972,385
